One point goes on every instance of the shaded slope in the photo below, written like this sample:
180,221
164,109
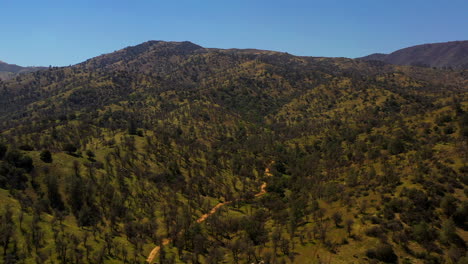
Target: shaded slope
441,55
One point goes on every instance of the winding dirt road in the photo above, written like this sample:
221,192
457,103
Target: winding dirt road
202,218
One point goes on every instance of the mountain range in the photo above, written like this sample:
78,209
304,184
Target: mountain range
168,152
440,55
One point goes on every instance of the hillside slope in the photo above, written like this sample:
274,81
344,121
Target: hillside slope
122,155
441,55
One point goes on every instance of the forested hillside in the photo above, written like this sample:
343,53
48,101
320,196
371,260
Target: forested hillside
360,162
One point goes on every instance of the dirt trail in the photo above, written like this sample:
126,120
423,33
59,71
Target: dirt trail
156,249
213,210
262,190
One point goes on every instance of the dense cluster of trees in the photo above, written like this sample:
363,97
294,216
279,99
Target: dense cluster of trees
13,168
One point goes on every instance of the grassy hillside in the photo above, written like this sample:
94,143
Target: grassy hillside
103,161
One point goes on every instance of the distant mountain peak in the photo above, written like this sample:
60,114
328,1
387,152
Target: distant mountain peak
452,54
8,71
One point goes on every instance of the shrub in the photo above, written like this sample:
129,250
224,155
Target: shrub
448,205
3,150
70,148
396,146
26,147
337,218
12,177
19,160
90,155
375,231
463,260
383,252
46,156
449,130
460,217
422,233
448,231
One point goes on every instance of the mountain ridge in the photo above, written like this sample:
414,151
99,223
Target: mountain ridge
452,54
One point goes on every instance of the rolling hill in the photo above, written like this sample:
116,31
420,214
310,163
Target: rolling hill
440,55
174,153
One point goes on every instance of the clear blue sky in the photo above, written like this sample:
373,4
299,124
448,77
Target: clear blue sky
64,32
